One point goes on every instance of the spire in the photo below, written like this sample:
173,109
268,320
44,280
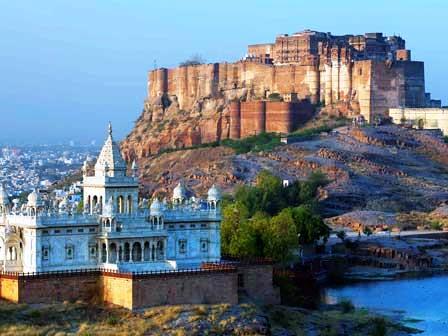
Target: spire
110,129
110,159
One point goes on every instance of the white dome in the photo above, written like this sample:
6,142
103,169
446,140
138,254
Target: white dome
34,199
156,207
214,194
4,200
179,193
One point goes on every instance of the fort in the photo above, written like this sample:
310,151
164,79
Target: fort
274,88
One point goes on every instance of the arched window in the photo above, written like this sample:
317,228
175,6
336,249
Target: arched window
94,202
136,252
103,253
160,250
129,206
127,251
112,253
146,254
120,204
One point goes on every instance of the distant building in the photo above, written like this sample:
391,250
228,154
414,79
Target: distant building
423,118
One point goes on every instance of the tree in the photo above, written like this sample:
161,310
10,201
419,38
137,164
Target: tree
195,59
282,236
234,215
309,226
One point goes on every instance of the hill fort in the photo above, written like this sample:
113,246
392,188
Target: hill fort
275,87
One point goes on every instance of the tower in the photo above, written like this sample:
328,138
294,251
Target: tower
110,182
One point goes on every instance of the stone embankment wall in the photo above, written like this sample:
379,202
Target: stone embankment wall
216,283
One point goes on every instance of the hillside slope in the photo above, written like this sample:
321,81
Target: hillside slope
387,168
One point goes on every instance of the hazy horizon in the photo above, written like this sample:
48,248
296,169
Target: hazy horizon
68,68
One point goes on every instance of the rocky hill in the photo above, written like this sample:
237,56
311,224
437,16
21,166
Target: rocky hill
386,168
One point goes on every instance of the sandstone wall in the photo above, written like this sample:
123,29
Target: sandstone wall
9,288
257,282
58,288
253,118
208,288
116,289
131,291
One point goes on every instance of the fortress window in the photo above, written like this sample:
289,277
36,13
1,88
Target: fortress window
45,232
92,230
80,230
45,253
69,231
360,71
171,226
182,246
192,225
57,231
204,245
182,226
203,225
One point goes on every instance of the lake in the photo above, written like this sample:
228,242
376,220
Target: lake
423,298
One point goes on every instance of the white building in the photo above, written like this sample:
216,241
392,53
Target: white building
114,231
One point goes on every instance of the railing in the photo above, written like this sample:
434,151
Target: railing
224,268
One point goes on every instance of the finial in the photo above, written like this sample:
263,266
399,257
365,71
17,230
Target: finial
110,128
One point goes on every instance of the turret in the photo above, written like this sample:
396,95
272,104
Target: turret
179,194
214,197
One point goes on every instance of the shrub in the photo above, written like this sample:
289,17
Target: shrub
346,306
435,225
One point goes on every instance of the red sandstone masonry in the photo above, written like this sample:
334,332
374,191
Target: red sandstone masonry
217,284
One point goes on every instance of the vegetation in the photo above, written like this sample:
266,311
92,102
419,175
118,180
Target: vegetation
269,220
93,319
259,142
193,60
275,97
332,320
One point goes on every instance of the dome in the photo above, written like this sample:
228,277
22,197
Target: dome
214,194
179,193
4,199
156,207
34,199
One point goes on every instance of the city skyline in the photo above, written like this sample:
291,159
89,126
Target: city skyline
66,77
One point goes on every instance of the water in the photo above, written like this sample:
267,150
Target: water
424,299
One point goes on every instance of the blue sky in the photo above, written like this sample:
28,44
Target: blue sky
67,67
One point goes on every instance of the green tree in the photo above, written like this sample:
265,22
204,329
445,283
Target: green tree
282,234
309,226
233,215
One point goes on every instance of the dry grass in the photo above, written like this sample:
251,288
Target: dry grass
88,320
